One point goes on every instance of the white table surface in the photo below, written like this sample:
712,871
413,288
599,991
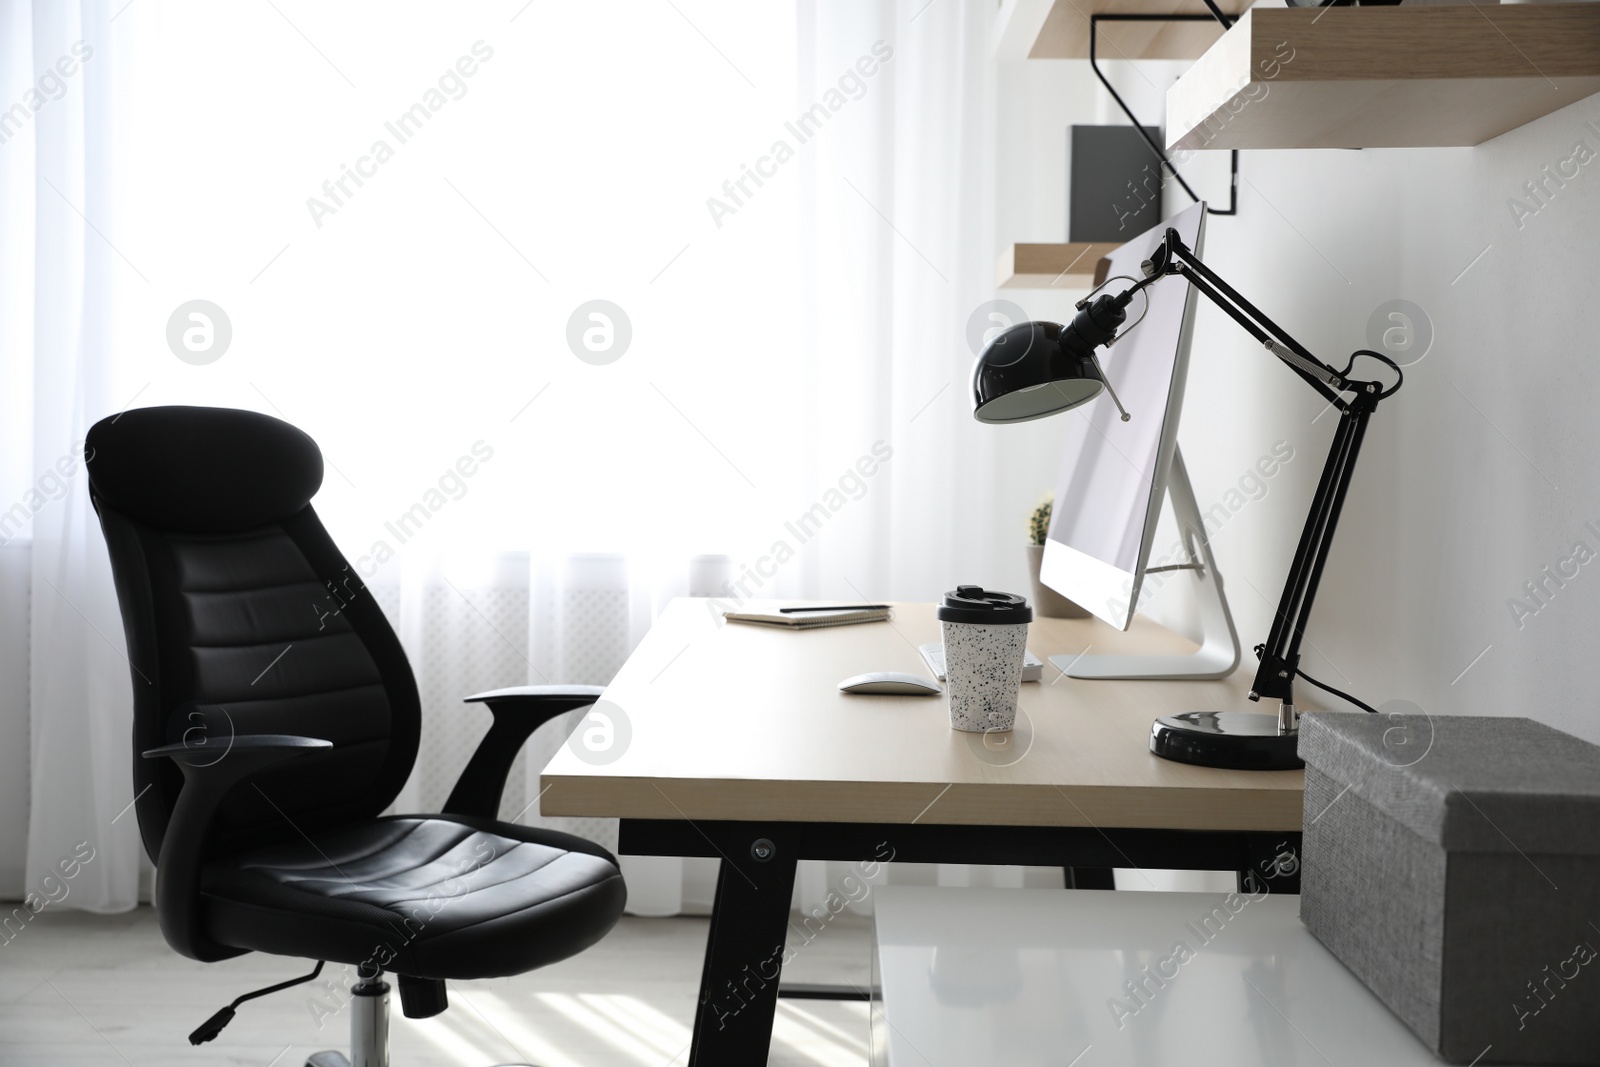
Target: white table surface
1027,977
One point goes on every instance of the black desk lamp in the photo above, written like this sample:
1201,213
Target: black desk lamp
1036,369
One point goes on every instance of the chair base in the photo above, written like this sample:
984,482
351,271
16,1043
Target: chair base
369,1030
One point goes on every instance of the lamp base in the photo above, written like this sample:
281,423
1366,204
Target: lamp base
1237,740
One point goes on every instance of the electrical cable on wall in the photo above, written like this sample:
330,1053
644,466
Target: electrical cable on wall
1166,163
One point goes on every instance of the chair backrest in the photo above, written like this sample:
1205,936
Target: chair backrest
242,617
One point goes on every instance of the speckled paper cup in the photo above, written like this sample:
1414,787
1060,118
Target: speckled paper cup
985,638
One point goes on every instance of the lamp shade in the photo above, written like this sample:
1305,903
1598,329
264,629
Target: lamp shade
1031,370
1034,369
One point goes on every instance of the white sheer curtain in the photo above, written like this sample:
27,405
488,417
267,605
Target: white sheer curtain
898,210
404,212
63,67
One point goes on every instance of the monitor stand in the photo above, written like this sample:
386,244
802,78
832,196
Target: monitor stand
1218,653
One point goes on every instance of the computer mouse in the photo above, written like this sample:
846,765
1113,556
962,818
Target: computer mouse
891,683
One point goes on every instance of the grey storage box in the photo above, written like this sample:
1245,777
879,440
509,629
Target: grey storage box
1453,864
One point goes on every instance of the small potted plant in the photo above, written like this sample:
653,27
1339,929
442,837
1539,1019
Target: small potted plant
1046,601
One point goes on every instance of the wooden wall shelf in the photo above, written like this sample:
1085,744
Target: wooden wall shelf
1067,266
1059,29
1385,77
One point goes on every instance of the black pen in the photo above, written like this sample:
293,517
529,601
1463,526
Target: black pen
838,607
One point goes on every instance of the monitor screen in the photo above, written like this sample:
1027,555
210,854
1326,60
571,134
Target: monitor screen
1113,473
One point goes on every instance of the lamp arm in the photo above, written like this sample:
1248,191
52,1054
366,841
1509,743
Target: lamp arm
1175,257
1280,653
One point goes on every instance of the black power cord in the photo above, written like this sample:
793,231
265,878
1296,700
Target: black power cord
1340,693
1400,375
1227,23
1166,163
1363,705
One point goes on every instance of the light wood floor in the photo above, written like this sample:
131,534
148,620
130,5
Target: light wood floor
105,991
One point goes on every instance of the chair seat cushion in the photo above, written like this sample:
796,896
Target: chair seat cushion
436,896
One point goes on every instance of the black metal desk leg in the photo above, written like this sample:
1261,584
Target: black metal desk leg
1089,877
744,952
1272,864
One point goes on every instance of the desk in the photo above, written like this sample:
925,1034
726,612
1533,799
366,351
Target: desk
1042,977
733,742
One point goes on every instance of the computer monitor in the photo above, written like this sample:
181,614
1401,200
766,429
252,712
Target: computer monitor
1114,475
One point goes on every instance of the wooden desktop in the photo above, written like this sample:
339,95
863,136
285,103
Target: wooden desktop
732,741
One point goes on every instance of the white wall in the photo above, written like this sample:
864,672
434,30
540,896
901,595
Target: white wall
1475,476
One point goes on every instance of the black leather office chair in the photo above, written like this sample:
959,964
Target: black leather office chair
272,726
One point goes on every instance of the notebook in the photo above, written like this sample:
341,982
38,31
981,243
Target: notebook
810,620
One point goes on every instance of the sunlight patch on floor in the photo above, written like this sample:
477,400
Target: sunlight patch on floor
527,1038
449,1034
642,1018
601,1017
804,1031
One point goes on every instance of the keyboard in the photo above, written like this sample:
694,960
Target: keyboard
1032,666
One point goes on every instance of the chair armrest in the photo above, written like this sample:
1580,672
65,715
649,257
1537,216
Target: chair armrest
209,773
528,697
518,711
257,750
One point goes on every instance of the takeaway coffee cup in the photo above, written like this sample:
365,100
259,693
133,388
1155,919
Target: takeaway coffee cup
985,637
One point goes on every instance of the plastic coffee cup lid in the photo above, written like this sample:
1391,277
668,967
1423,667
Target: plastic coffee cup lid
983,607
